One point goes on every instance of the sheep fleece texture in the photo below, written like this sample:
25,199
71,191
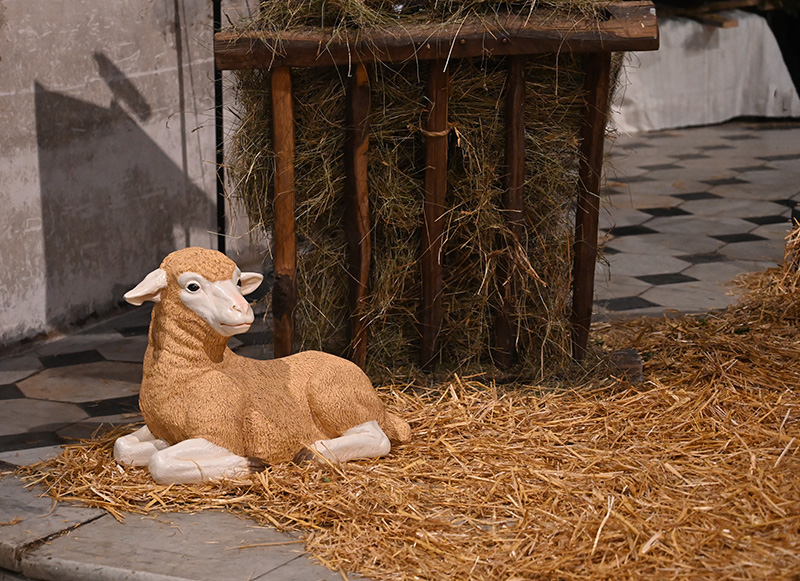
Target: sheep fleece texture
194,386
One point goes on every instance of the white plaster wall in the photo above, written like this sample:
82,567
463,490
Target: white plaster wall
106,151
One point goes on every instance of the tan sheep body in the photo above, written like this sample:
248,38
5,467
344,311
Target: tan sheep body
194,386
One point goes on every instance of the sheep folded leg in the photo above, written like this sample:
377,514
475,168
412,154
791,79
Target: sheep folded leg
136,448
198,460
365,440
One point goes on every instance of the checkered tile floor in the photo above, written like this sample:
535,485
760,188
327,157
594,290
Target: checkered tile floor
688,210
685,212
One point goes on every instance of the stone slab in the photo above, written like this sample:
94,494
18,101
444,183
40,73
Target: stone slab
6,575
172,546
29,519
17,368
130,349
690,297
27,415
30,455
77,343
84,382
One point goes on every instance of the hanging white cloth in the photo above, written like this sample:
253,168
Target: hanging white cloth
703,75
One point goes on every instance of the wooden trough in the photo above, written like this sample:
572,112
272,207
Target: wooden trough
619,26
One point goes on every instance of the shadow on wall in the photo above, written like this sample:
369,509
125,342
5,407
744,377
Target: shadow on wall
113,202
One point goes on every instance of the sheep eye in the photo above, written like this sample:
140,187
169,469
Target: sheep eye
193,287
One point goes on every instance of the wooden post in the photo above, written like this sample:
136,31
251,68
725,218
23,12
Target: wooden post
513,208
436,133
598,85
284,293
357,222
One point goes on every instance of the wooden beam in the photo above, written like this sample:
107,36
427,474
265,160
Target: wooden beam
716,20
598,86
619,26
513,209
356,218
284,293
693,9
436,134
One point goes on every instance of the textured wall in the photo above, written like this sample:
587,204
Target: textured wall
106,158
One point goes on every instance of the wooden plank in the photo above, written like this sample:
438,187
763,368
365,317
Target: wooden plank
598,86
716,20
513,209
356,218
620,26
436,133
690,10
284,292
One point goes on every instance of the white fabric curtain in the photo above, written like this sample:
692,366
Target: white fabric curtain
703,75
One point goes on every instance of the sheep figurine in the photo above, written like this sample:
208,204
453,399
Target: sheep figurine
210,413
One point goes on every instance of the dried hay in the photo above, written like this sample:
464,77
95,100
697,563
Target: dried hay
476,234
692,475
340,15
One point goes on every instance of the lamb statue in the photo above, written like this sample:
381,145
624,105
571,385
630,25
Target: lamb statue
210,413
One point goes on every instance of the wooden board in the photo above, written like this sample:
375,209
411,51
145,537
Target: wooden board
284,292
436,135
356,217
587,211
620,26
513,211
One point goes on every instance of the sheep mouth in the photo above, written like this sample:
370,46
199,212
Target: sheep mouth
235,325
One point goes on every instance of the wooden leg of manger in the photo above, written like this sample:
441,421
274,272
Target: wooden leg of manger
433,207
284,293
513,209
357,223
598,84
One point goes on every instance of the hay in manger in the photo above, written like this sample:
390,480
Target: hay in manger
692,474
469,264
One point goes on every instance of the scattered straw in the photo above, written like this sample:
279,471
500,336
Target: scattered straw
693,474
606,482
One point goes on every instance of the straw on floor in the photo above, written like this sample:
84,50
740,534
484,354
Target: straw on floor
691,474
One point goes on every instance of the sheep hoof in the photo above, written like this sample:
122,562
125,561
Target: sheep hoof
255,464
303,455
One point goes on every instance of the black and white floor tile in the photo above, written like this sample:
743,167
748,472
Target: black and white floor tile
688,210
685,211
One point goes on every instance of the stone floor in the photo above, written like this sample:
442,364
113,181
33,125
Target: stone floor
688,210
685,212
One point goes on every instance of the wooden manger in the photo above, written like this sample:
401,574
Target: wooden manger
618,26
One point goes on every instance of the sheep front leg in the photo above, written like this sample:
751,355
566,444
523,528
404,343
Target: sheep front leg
136,448
198,460
366,440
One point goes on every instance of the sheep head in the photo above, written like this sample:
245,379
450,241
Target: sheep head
206,282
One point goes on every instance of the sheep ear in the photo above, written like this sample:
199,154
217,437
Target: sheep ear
149,289
251,281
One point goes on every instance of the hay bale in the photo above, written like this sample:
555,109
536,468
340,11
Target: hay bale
476,236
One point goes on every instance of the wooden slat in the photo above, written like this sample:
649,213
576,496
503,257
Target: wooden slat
357,222
436,132
716,20
621,26
284,293
598,85
513,208
692,9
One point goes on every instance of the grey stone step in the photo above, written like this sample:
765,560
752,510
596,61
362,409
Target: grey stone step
69,543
